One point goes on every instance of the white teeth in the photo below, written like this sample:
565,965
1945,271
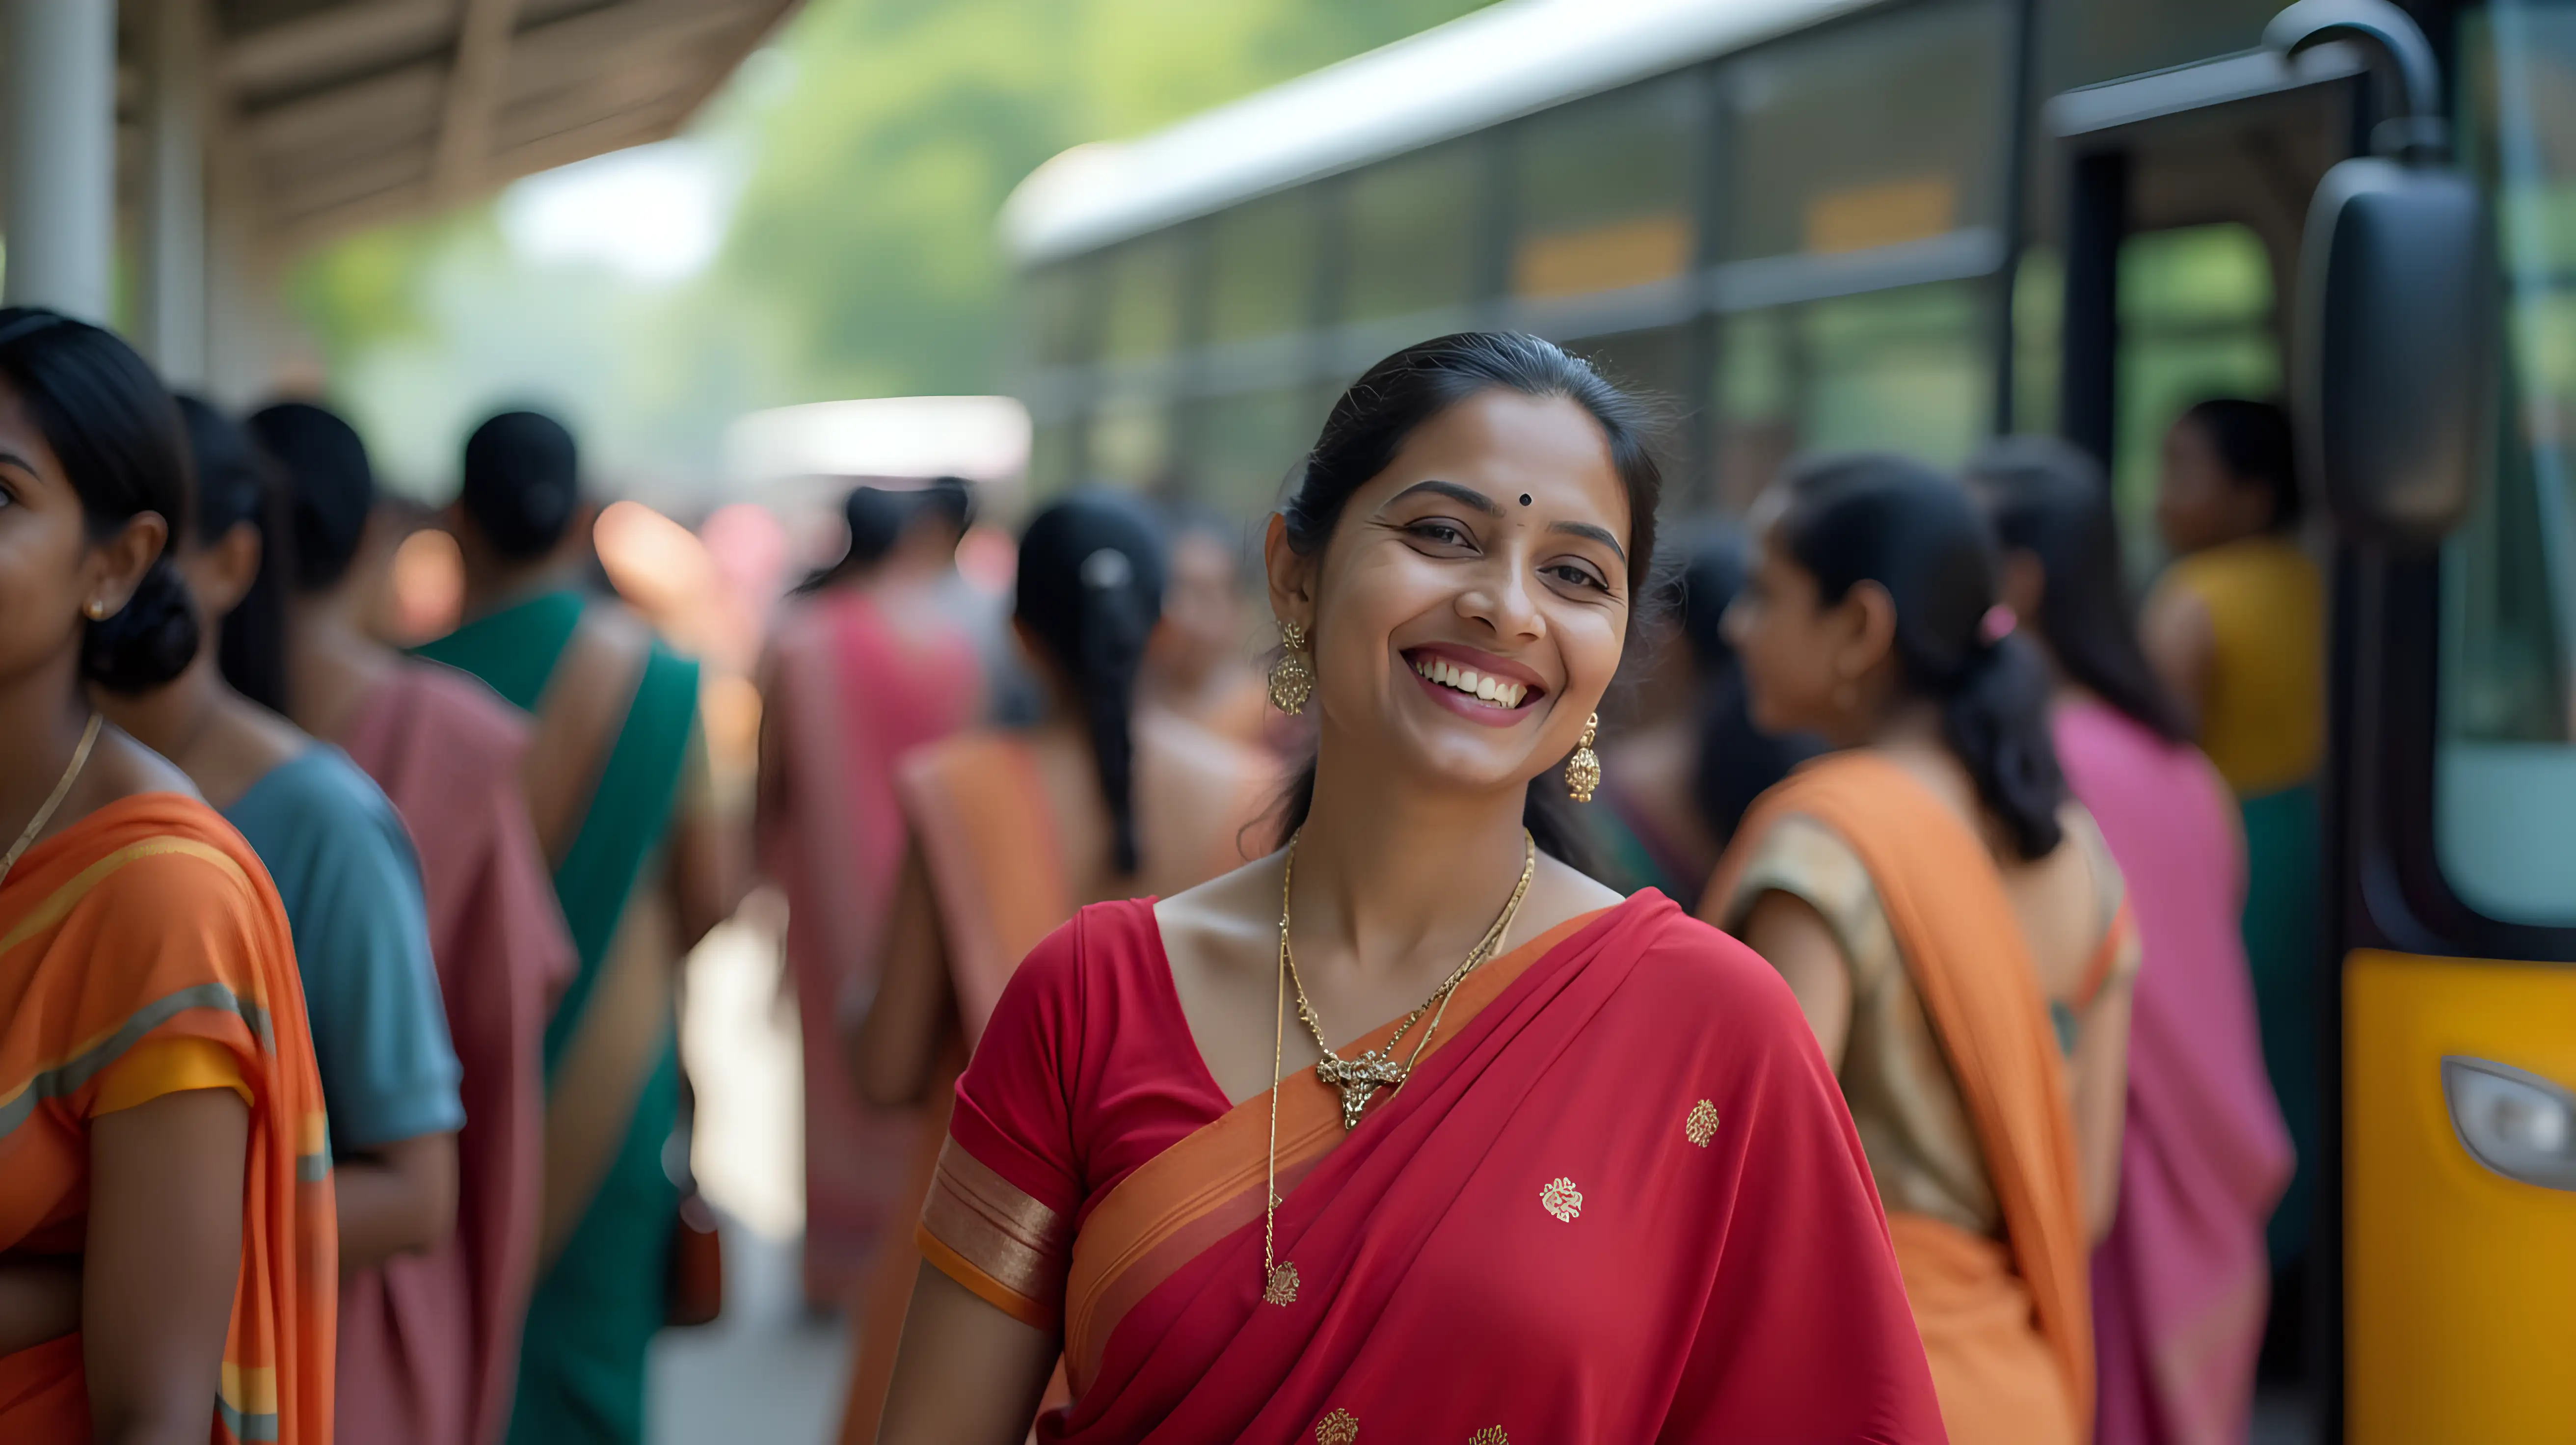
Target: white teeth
1483,687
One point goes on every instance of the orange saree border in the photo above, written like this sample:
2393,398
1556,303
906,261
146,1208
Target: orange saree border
1208,1185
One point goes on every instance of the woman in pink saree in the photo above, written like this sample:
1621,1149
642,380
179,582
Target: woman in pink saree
1597,1184
429,1343
2179,1287
861,670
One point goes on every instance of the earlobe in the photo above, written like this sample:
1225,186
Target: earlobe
1290,575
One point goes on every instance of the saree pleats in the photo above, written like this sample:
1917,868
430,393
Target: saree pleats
151,920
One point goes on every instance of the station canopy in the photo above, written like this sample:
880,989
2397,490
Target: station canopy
337,114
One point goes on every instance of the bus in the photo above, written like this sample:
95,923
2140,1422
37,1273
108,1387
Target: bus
1912,225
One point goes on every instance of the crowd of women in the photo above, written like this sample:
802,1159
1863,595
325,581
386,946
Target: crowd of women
1821,942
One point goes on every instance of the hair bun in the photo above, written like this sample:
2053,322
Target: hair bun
151,640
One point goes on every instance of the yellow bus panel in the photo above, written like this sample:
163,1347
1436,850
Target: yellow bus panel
2459,1284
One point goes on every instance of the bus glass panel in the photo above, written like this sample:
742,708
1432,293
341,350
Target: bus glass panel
1412,226
1875,133
1261,268
1602,192
1144,298
2505,773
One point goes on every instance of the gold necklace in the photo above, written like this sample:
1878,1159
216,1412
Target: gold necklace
1367,1073
62,789
1377,1068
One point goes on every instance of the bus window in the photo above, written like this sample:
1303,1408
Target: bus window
1414,225
2196,322
1052,462
1246,444
2505,775
1602,192
1058,320
1144,296
2083,42
1868,135
1902,370
1261,268
1131,440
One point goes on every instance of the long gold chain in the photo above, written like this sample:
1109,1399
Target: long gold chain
62,790
1361,1077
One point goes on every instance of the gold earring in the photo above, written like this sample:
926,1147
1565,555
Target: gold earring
1583,770
1292,677
96,610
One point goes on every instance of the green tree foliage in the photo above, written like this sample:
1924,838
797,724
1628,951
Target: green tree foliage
869,218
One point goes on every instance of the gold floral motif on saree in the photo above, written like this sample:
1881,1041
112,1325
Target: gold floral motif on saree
1562,1199
1701,1126
1490,1435
1338,1428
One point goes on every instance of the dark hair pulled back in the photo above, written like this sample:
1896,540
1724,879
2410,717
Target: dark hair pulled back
1916,533
2048,498
1735,762
522,483
113,427
876,519
1090,590
330,486
1372,421
236,487
2252,439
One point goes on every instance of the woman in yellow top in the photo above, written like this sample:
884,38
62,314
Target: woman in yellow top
2236,628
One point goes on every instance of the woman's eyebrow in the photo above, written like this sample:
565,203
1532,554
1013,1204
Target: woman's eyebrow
1467,496
1597,534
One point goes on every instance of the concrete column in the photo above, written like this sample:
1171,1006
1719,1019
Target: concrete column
58,85
173,313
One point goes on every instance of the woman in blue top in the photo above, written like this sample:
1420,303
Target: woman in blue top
343,866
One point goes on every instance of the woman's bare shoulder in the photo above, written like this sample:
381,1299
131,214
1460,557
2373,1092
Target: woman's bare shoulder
1235,914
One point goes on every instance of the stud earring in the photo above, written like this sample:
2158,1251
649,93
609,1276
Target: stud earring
96,611
1583,770
1292,677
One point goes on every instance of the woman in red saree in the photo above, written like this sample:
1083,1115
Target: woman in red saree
861,670
1598,1189
167,1242
1011,830
1952,924
2179,1287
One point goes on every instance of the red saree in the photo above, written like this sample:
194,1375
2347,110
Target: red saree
850,693
1619,1201
429,1344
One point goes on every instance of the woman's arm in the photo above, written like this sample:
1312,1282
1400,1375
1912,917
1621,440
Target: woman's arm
966,1373
161,1262
39,1299
398,1198
1788,931
892,1047
2101,1095
2179,641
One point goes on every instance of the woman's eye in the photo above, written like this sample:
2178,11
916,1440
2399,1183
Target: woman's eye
1578,576
1441,533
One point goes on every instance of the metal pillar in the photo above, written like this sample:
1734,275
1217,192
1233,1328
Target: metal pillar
173,314
58,84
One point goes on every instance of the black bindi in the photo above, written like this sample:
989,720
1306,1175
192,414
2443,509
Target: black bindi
1525,499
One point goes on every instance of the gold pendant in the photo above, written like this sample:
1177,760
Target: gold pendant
1357,1079
1281,1288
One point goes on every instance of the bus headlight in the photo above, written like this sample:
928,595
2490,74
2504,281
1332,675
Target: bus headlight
2514,1122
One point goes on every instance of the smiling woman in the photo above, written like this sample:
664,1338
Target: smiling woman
1625,1204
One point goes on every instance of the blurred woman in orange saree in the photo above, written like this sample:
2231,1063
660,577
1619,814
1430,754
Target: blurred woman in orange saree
168,1261
1594,1187
1950,919
1011,830
862,668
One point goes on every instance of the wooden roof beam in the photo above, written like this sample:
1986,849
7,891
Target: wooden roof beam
473,96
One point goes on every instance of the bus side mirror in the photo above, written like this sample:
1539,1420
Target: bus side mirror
2395,343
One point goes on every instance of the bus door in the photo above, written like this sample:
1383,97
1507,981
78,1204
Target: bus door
2441,1299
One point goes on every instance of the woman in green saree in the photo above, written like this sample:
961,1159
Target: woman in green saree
617,782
